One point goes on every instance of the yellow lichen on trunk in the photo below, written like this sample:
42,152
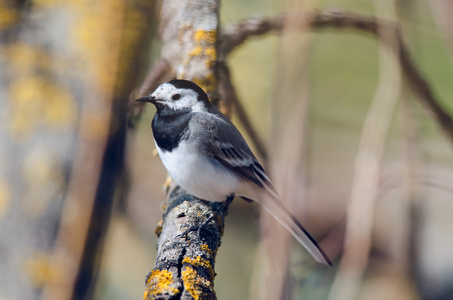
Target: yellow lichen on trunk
203,52
158,283
202,263
189,32
194,282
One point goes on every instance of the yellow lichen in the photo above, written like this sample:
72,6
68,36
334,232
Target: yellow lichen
5,197
158,229
205,46
210,52
193,283
167,182
205,36
159,282
41,103
8,16
44,101
39,270
211,55
200,262
60,109
25,58
206,248
95,48
205,52
197,51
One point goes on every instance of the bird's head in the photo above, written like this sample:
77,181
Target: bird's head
178,95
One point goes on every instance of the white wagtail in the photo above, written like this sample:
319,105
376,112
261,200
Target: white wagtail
208,157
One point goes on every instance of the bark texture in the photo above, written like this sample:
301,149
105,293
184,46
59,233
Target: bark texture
184,266
185,263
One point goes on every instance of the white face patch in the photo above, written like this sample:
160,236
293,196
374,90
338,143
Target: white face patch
188,98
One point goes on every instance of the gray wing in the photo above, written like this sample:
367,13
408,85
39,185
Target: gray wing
222,141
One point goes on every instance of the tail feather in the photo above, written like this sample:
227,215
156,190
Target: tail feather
275,207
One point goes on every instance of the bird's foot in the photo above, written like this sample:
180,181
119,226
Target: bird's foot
199,227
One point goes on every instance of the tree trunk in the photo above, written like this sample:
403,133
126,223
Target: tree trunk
184,266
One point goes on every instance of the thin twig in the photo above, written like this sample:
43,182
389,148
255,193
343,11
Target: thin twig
245,121
437,185
155,77
225,89
422,89
236,34
228,98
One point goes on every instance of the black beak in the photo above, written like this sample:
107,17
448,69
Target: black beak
149,99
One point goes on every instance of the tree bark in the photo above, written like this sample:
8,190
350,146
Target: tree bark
185,263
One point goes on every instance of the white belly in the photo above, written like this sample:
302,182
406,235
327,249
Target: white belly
197,174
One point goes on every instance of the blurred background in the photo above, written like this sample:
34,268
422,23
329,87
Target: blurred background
81,191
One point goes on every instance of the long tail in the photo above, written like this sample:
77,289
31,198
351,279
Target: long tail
274,206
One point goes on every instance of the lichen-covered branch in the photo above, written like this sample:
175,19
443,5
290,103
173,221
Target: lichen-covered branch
184,267
189,31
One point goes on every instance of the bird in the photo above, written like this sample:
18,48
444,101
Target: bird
206,155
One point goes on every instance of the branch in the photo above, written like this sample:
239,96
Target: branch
184,266
228,98
159,72
236,34
156,76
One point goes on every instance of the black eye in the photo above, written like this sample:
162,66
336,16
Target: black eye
176,96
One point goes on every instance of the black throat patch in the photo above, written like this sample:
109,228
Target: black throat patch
170,127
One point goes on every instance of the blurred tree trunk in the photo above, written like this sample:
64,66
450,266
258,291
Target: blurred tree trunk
289,149
65,67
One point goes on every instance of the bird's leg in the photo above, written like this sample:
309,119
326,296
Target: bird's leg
225,204
198,228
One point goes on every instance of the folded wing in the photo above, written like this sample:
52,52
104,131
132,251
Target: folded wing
227,146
